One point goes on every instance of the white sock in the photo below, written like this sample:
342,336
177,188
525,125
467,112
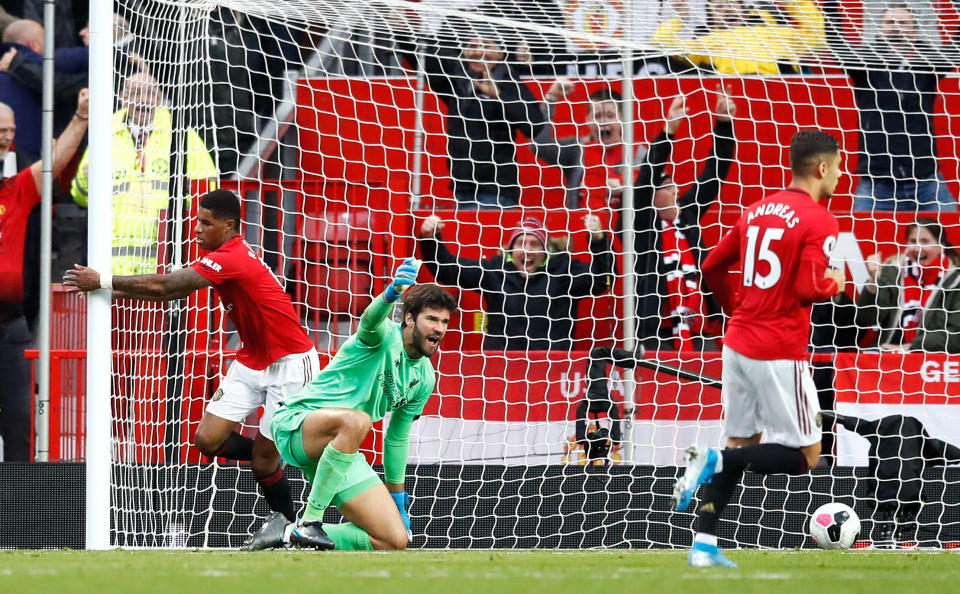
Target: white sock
707,539
718,468
287,530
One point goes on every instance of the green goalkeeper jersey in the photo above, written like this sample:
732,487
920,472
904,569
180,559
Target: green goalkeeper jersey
373,373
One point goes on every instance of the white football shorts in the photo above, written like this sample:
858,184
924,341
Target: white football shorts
244,390
776,396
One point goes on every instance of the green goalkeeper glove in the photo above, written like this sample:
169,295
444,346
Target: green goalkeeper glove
405,276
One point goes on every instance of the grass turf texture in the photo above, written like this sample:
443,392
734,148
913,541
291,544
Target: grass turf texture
489,572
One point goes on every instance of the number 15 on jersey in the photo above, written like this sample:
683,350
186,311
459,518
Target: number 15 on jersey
764,254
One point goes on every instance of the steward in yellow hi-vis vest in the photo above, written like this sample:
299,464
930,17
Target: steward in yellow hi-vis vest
142,132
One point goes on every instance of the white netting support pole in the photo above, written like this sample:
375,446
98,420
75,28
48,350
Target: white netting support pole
42,410
416,182
182,187
629,257
100,216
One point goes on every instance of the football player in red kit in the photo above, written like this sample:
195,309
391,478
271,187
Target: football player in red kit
276,357
782,245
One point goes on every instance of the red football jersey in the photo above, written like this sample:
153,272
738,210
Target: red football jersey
771,239
18,196
256,304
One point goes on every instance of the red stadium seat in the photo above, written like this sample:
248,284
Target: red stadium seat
337,254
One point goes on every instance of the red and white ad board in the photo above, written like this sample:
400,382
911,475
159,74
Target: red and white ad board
520,408
873,385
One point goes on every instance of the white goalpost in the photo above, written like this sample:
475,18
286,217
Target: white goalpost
343,126
99,452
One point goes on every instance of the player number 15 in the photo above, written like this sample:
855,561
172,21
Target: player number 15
750,276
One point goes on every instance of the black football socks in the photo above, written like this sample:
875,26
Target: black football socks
276,490
236,447
765,458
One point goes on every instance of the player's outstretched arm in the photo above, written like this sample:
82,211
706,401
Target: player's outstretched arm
152,287
371,331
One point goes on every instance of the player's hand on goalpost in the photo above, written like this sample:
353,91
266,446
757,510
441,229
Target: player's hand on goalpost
402,499
81,278
403,279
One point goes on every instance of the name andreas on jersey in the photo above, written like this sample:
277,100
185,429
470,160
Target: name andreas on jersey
776,209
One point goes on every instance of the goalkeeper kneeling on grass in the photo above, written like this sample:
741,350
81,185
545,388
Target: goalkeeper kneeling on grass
384,367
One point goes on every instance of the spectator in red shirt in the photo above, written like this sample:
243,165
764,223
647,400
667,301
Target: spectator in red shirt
603,152
18,195
8,130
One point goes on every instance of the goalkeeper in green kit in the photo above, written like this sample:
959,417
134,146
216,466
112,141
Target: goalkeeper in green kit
384,367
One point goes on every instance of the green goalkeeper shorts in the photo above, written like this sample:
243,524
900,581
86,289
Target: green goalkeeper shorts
288,435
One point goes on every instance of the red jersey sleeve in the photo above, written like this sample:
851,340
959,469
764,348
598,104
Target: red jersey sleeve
717,265
818,244
820,239
220,265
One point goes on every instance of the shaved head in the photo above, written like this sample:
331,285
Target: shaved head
25,32
8,129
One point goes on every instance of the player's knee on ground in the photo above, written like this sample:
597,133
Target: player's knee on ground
395,540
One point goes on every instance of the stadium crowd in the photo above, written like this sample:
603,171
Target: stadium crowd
532,288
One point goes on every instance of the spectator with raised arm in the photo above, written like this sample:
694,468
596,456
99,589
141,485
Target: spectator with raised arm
913,299
604,155
530,294
673,302
594,165
895,85
667,239
743,37
486,107
24,63
19,194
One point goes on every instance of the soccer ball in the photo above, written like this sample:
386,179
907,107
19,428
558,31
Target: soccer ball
834,526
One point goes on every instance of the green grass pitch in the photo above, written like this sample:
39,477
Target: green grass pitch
486,572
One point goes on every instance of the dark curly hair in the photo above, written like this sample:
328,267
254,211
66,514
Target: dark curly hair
420,297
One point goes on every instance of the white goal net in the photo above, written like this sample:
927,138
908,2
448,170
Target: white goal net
617,141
